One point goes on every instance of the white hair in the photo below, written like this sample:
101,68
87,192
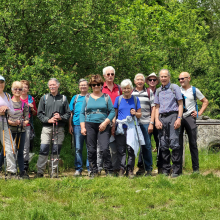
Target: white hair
166,70
126,82
53,79
139,74
106,68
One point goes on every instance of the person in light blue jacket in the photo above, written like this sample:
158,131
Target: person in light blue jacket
95,117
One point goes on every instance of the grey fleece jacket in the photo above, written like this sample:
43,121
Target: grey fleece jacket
53,104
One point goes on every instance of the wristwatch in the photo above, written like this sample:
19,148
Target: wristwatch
152,123
180,118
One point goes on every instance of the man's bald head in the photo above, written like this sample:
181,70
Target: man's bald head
184,79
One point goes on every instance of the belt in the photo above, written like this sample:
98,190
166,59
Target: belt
168,113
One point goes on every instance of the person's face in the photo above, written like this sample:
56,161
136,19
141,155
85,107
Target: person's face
2,85
152,81
53,86
126,90
109,75
184,79
83,87
164,78
25,89
139,82
96,87
17,91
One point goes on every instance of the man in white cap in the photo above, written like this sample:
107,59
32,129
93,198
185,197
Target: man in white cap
152,80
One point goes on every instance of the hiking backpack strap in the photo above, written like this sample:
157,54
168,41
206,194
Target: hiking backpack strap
30,100
119,89
7,95
119,100
64,99
148,93
135,102
106,99
75,101
194,95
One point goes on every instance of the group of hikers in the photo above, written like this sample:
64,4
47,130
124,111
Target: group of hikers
114,121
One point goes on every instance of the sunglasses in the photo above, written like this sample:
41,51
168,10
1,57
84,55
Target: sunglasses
182,78
16,89
108,74
94,85
152,80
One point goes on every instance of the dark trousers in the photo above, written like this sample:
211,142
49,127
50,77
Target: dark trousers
93,134
189,123
121,148
169,138
159,152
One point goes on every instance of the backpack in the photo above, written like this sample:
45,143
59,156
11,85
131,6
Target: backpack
75,101
106,96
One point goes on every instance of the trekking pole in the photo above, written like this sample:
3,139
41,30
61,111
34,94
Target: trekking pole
3,136
51,155
57,149
21,120
133,116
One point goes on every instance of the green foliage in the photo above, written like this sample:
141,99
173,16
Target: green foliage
74,39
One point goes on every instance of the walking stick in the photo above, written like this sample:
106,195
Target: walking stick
133,116
22,120
51,155
57,149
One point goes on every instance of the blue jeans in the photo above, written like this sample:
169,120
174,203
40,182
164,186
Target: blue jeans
145,149
78,142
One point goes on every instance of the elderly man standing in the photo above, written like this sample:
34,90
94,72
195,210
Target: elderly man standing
189,116
53,109
146,122
152,80
168,115
113,90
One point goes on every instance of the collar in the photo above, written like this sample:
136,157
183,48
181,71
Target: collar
105,85
143,90
166,86
56,94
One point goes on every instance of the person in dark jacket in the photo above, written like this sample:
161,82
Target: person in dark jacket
53,107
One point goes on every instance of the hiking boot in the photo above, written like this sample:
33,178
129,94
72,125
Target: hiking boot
140,172
89,173
166,174
77,173
130,174
174,175
196,171
24,175
148,173
12,176
93,175
39,175
109,173
159,170
121,173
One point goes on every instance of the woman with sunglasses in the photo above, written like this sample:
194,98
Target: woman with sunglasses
17,124
6,107
96,114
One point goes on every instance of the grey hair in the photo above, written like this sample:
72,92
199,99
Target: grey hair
83,80
139,74
126,82
107,67
167,72
53,79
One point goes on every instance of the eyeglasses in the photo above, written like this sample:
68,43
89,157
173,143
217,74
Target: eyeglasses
17,89
108,74
152,80
182,78
94,85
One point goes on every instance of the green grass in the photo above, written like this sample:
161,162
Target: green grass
187,197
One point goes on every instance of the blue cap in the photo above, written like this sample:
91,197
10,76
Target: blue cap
2,78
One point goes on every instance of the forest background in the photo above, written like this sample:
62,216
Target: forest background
71,39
